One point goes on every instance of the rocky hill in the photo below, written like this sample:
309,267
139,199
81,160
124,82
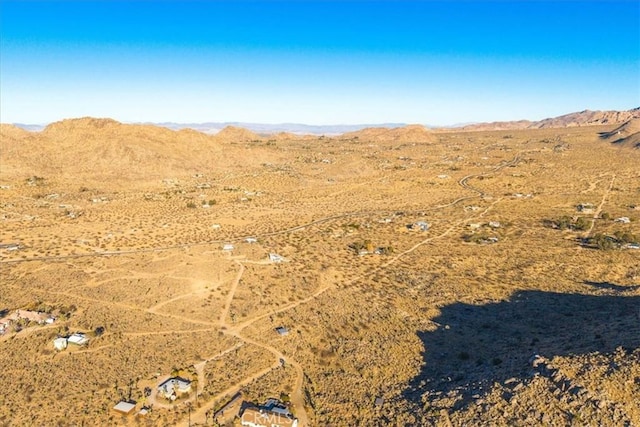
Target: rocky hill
105,149
237,134
411,133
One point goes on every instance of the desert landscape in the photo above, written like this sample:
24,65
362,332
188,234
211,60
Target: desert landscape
482,275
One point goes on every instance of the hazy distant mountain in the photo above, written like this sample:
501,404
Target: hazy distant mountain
259,128
268,129
30,127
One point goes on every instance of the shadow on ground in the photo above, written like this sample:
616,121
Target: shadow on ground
612,286
476,346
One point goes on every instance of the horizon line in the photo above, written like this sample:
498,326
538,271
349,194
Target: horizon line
185,124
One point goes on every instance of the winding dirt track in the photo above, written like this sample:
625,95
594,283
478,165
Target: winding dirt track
598,210
232,293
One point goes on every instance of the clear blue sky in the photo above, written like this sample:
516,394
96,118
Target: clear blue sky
316,62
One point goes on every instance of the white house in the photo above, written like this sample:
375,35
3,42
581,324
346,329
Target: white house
423,226
282,331
173,387
276,258
124,407
78,339
60,343
419,225
227,247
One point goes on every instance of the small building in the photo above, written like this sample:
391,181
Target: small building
227,247
379,401
623,220
10,246
60,343
282,331
174,387
125,407
5,322
494,224
418,225
78,339
251,240
422,226
586,208
276,258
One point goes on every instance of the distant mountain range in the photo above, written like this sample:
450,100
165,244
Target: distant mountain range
29,127
582,118
213,128
268,129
